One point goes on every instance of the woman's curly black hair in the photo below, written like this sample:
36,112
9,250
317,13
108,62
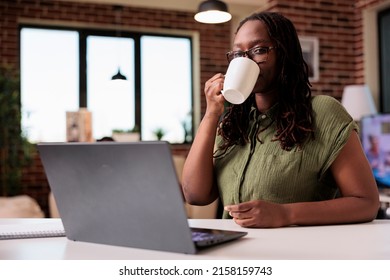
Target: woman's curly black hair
294,117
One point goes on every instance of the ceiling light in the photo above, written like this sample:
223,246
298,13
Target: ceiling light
118,22
119,76
212,11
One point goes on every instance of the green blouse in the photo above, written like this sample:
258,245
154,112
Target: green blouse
262,170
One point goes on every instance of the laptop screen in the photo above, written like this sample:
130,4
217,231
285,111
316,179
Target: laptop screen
375,134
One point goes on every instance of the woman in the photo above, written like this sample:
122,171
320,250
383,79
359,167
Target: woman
282,157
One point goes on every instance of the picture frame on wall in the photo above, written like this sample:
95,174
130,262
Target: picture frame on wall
310,51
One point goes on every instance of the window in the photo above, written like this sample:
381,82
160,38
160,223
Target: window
165,104
111,103
49,82
157,96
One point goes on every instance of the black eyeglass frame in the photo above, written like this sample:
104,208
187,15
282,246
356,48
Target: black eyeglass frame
249,53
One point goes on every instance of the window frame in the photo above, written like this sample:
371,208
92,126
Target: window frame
135,34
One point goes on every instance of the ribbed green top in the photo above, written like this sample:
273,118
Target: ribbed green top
262,170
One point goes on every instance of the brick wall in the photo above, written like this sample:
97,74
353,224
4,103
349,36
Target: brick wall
339,28
337,24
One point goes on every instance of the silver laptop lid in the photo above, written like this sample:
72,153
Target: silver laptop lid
124,194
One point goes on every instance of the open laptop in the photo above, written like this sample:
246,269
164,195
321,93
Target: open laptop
124,194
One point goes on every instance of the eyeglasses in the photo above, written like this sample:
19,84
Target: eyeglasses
258,54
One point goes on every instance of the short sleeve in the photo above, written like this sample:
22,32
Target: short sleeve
333,128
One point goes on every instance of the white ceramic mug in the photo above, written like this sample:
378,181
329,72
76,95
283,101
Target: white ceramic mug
240,79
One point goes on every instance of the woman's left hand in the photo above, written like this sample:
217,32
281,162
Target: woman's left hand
259,214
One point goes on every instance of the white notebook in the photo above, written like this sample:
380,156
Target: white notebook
31,230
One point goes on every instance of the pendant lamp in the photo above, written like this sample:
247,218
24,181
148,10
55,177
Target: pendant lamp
212,11
118,22
119,76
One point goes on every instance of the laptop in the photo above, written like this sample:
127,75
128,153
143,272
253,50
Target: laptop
123,194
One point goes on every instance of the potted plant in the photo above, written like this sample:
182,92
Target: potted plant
159,133
131,135
14,147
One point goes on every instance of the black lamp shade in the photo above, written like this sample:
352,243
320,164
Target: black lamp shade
212,5
119,76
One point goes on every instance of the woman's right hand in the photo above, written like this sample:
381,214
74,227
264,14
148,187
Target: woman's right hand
214,98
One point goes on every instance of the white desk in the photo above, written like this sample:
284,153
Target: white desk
358,241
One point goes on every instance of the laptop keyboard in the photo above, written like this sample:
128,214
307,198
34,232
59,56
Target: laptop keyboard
205,236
